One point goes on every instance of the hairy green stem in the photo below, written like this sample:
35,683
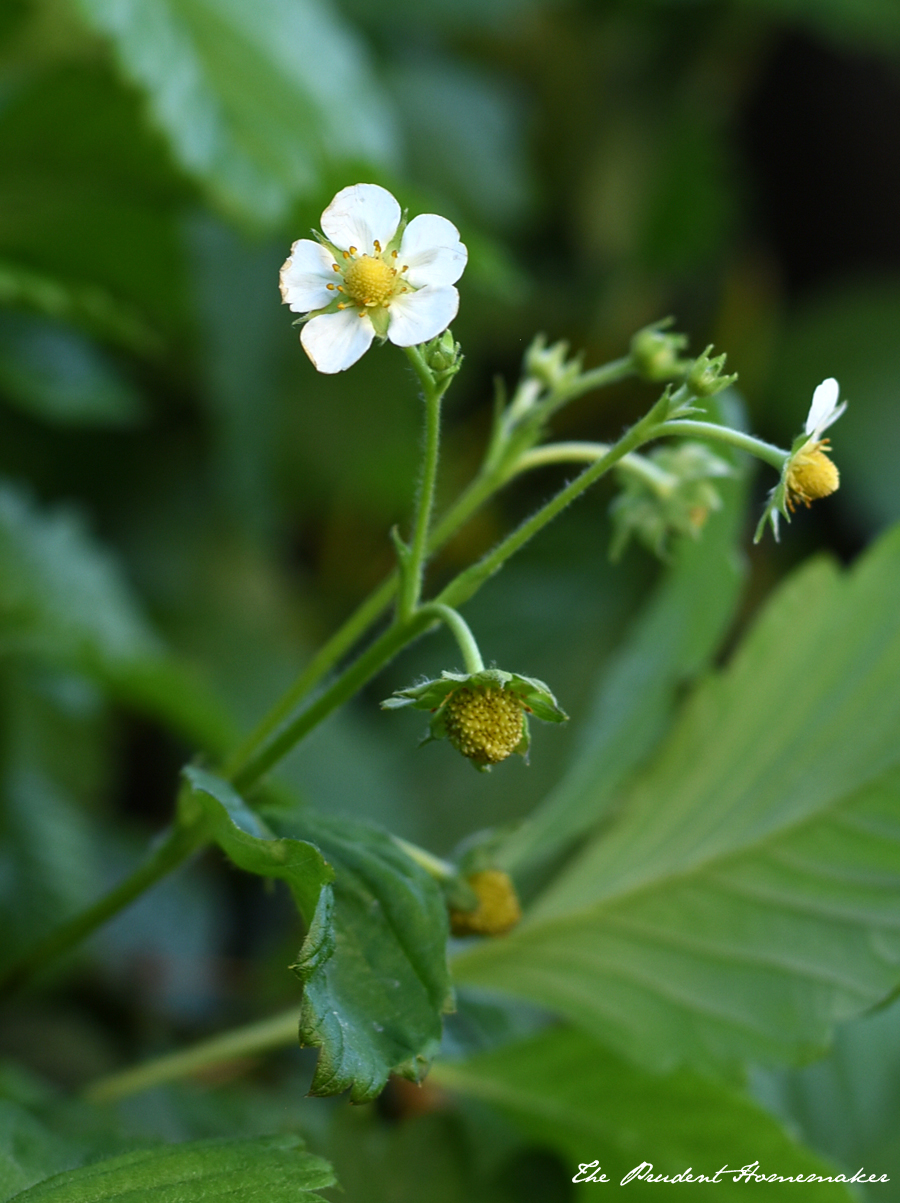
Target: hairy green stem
277,733
413,563
493,475
440,870
279,1031
471,579
461,632
775,456
357,674
175,848
600,377
322,662
572,453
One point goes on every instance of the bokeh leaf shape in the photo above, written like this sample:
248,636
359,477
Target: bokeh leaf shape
78,304
28,1151
748,897
569,1093
273,1169
91,226
66,601
61,594
373,1005
256,100
54,373
863,1065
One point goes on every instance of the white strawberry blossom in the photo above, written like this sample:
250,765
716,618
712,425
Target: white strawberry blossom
808,473
372,275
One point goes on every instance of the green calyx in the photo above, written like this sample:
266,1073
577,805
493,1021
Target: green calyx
484,714
656,352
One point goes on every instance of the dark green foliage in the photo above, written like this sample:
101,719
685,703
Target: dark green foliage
710,850
374,964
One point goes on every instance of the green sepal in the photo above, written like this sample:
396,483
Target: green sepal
655,352
394,244
776,506
332,307
431,695
707,376
329,246
380,319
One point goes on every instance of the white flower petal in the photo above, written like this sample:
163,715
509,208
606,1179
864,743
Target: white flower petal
433,251
334,341
419,316
304,277
359,215
824,404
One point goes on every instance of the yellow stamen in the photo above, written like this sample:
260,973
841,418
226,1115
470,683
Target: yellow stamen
810,475
369,281
377,246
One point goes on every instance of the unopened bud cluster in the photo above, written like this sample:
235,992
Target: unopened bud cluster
707,376
443,354
655,353
549,366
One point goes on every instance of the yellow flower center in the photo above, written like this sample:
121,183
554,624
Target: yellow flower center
484,725
810,475
369,281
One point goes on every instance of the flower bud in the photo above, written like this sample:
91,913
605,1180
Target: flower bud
498,909
443,354
706,378
548,365
654,353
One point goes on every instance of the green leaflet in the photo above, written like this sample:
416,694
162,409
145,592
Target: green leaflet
257,101
249,843
373,962
374,1007
573,1095
747,898
273,1169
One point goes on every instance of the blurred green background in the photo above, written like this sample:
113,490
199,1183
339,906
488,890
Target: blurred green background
187,509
